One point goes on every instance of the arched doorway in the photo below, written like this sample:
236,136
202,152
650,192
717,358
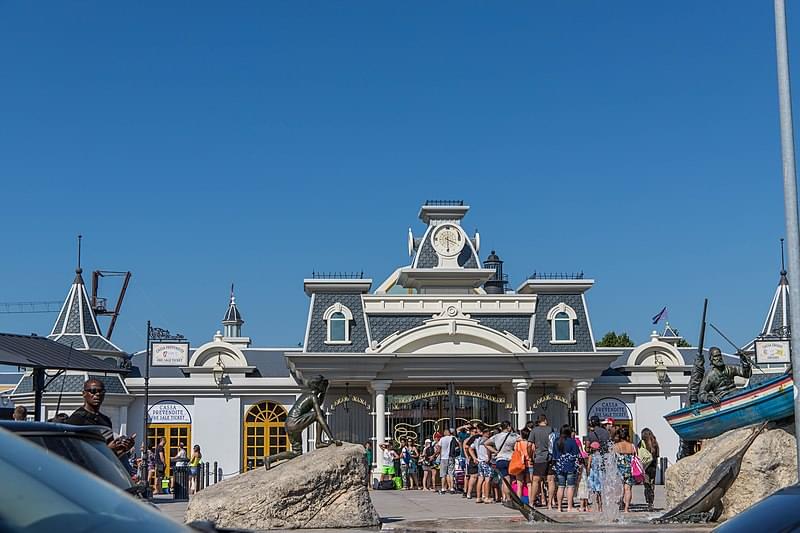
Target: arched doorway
264,433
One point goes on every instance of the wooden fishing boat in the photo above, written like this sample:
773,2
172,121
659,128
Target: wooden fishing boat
771,399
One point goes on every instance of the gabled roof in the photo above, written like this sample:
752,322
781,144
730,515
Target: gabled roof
777,322
32,351
77,326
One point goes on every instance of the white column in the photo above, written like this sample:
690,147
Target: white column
583,410
521,387
379,388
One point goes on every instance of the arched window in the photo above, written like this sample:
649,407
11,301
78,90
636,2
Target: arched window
562,324
264,434
338,318
338,327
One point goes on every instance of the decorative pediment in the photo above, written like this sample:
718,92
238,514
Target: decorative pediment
451,332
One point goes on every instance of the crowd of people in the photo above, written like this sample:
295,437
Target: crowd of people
539,464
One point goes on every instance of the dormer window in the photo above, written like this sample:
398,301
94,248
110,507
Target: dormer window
562,324
338,318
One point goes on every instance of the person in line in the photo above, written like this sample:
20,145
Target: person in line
525,449
20,413
405,458
480,455
428,453
368,459
94,392
625,452
565,456
599,434
161,463
649,447
412,461
447,461
502,446
542,469
471,476
387,464
582,491
194,468
594,466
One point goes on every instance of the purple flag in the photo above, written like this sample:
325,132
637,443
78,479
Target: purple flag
661,314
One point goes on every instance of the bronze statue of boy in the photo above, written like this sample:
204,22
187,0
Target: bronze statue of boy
305,411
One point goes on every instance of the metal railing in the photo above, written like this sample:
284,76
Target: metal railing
556,275
337,275
444,202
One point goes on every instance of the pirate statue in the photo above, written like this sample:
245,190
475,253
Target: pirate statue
305,411
720,378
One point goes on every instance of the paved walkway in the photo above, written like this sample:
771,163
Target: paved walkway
398,508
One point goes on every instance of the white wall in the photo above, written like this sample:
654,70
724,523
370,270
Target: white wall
217,428
649,413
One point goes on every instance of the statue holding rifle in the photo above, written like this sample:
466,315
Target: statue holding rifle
720,378
305,411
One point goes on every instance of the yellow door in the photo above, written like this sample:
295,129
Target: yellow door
264,434
173,434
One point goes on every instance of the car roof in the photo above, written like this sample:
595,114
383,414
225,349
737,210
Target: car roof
43,428
82,488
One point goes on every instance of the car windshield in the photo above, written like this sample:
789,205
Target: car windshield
41,500
91,454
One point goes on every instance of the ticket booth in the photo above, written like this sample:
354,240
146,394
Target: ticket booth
172,421
614,408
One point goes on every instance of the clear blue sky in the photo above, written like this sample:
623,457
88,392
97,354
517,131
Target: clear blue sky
200,143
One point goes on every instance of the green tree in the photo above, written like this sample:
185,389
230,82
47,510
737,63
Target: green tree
612,340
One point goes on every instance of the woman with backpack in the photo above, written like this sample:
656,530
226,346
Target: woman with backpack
521,461
565,456
648,455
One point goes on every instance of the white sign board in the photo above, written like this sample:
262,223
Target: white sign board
170,354
772,352
610,408
168,412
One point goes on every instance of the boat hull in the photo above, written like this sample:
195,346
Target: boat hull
770,400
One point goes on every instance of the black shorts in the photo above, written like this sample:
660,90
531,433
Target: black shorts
543,469
472,469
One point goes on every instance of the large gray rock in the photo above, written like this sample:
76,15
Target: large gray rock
770,464
321,489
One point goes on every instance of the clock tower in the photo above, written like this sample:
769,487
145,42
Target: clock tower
445,258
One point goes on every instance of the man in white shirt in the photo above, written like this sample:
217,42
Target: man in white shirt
447,464
480,454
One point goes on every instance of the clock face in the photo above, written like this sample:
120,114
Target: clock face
448,240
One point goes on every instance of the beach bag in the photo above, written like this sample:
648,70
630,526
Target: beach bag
636,469
645,456
398,482
384,485
517,464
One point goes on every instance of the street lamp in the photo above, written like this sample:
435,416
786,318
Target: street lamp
153,334
661,370
218,371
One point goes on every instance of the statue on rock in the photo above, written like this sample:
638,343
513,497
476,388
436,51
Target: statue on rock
720,378
305,411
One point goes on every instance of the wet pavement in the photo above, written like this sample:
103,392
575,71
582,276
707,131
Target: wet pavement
417,511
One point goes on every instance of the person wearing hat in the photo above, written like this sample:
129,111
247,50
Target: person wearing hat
598,433
608,423
594,464
428,455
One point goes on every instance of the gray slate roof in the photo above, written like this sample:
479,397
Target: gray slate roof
73,383
318,328
542,332
76,324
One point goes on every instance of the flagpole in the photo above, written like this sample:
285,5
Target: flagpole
789,199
